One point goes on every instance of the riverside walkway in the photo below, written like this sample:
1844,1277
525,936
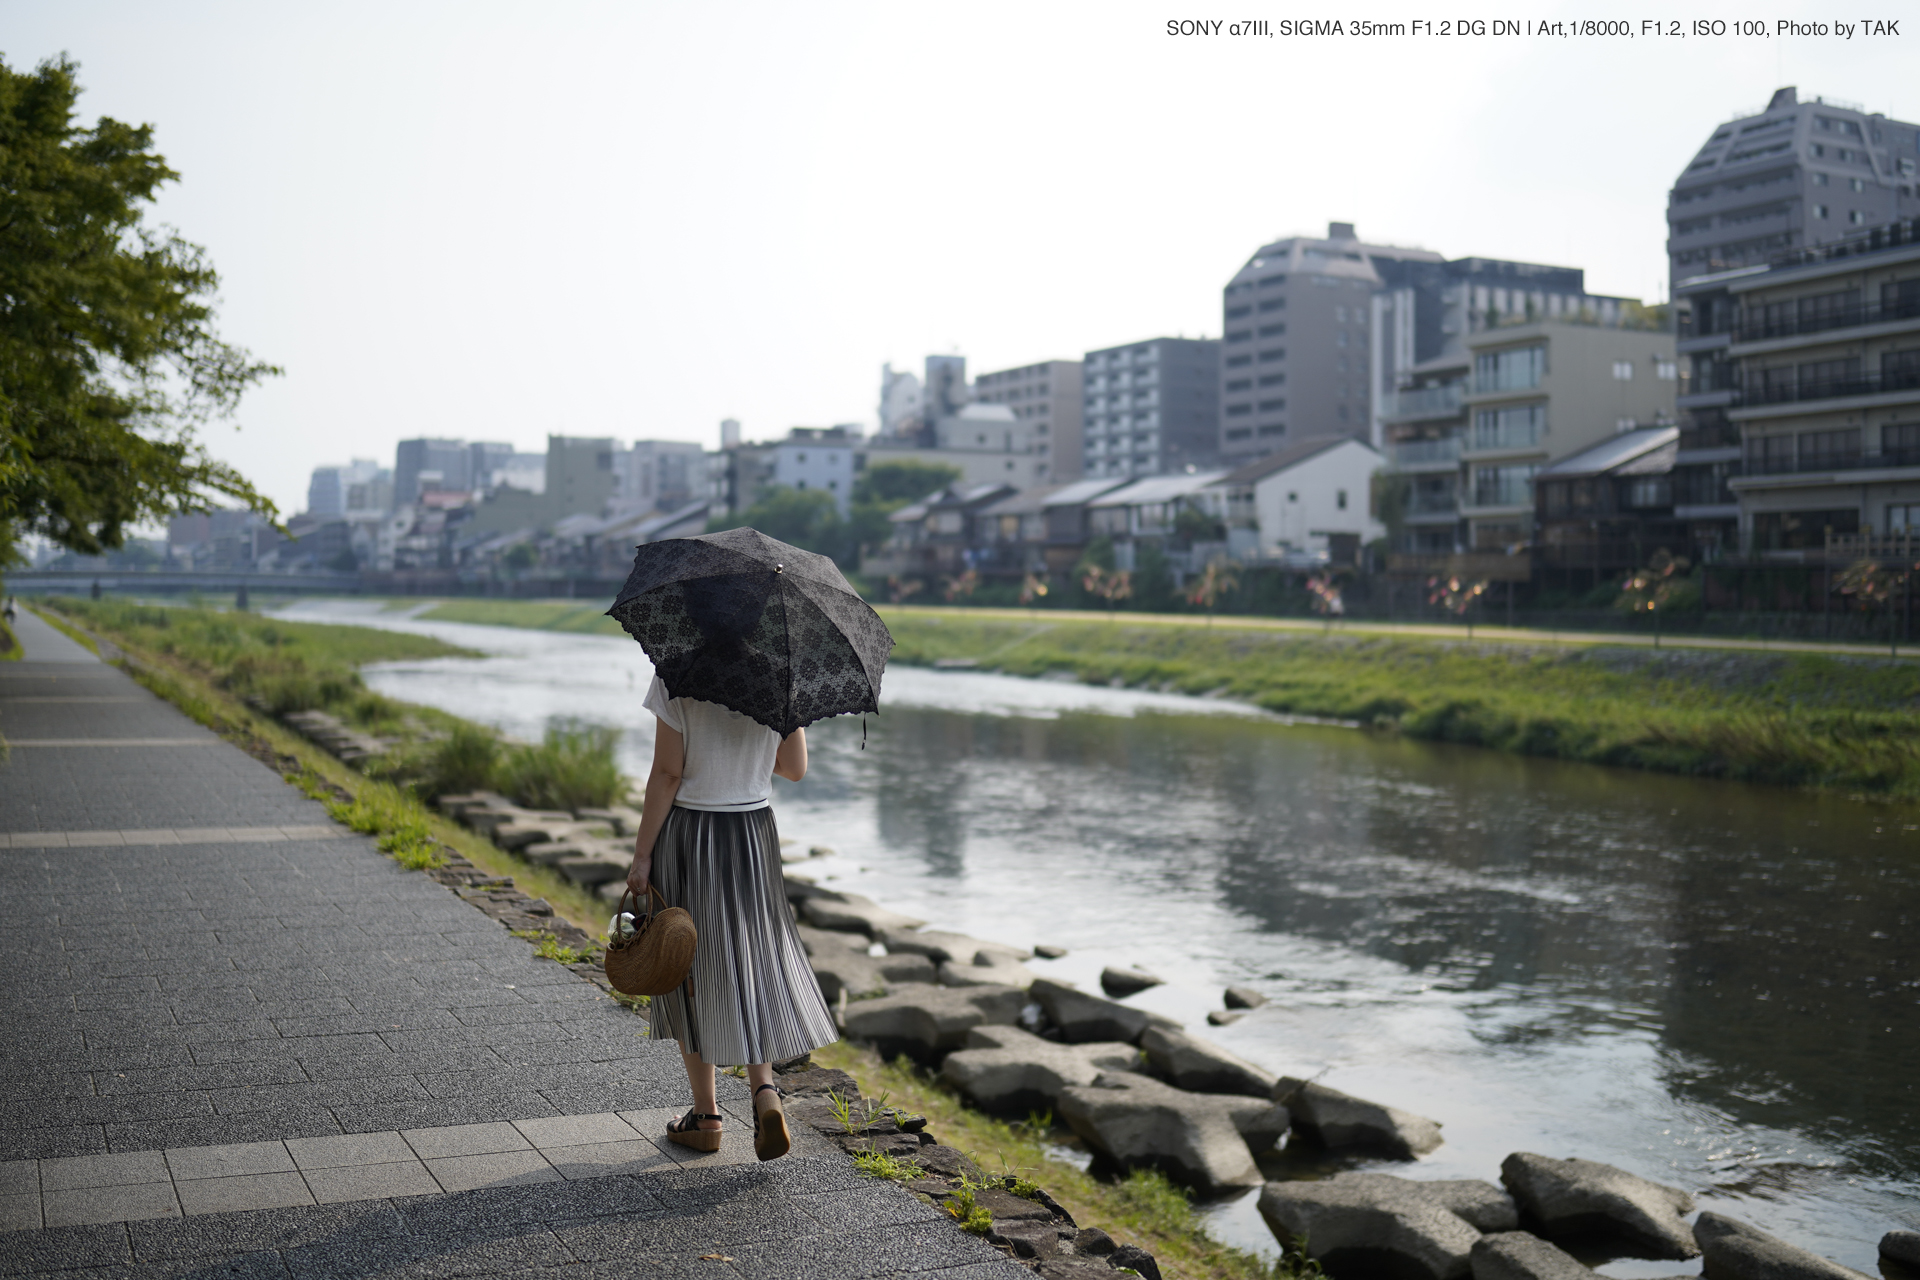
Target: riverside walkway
241,1041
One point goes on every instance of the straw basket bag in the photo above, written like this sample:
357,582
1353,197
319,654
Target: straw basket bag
657,956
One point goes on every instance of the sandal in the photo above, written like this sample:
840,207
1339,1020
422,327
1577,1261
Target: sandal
771,1139
687,1132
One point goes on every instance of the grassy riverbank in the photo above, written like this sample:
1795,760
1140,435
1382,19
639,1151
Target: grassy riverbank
237,672
1143,1208
1839,722
1843,723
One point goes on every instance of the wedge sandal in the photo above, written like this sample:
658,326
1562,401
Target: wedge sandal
687,1132
771,1138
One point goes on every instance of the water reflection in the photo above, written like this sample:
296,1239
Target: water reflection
1709,984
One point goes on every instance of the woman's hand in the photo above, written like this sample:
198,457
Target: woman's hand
637,875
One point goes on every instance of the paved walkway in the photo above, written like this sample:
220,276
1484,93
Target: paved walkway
239,1040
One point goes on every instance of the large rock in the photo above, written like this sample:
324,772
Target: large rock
998,970
1118,982
1188,1062
1337,1120
1484,1206
1515,1255
940,946
1371,1224
1014,1072
830,942
1261,1123
1572,1198
928,1022
1902,1247
1082,1017
1732,1250
826,910
861,975
1243,998
593,870
1136,1121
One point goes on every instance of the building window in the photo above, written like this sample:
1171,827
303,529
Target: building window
1273,304
1856,184
1272,330
1829,448
1240,433
1654,491
1271,281
1274,429
1340,338
1624,425
1902,440
1235,362
1856,217
1516,428
1239,384
1239,410
1340,499
1904,518
1339,315
1819,211
1272,354
1273,406
1769,455
1819,179
1623,371
1517,370
1235,313
1239,335
1274,380
1666,370
1292,496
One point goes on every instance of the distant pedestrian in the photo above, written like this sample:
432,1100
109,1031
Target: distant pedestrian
708,841
10,610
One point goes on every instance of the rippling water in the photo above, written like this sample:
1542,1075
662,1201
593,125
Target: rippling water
1709,984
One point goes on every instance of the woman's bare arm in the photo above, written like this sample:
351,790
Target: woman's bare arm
663,784
790,761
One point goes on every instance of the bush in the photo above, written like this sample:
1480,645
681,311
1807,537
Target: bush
468,759
572,769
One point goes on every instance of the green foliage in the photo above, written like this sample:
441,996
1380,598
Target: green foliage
548,947
1814,720
1154,1201
384,811
572,768
109,361
807,518
885,487
467,759
1294,1262
879,1164
966,1209
1152,578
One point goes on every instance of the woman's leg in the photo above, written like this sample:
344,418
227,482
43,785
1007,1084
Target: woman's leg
700,1076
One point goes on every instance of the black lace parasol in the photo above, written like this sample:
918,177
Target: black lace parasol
744,620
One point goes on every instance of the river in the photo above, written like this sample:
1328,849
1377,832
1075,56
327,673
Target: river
1709,984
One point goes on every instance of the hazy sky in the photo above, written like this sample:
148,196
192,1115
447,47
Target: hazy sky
498,221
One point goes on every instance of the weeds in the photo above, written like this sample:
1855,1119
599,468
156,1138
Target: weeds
572,768
878,1164
1293,1262
548,947
968,1211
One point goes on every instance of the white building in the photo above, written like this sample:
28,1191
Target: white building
1301,502
817,458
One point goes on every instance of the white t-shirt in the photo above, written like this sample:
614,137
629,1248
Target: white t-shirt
729,765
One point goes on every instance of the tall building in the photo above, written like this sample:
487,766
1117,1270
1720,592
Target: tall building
946,391
899,399
330,489
1295,326
1047,397
1151,408
1804,405
658,474
1795,175
427,463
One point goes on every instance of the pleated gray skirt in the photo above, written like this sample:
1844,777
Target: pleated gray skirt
752,996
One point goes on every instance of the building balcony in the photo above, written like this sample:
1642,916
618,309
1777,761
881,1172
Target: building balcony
1503,494
1510,439
1755,329
1422,402
1803,390
1426,455
1828,463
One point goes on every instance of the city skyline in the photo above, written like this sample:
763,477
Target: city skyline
424,252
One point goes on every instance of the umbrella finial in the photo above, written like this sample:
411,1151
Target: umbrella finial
778,568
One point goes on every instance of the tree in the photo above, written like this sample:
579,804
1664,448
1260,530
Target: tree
1456,597
807,518
109,361
1325,589
1661,586
885,487
1210,584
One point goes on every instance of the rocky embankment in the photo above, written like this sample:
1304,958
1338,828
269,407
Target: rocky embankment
1142,1091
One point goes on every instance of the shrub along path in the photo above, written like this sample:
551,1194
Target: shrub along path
240,1038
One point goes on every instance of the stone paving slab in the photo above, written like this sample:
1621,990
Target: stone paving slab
247,1043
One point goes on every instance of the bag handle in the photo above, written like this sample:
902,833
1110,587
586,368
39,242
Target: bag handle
640,914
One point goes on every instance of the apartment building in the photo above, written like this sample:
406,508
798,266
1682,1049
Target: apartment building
1794,176
1151,408
1295,340
1047,398
1809,369
1536,391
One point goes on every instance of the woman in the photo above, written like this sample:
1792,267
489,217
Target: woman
707,840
